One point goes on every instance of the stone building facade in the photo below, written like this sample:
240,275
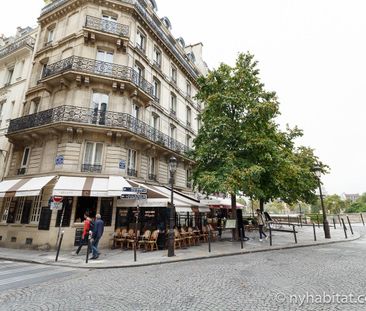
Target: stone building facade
110,94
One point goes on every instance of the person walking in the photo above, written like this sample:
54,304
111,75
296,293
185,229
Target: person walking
261,222
85,235
97,234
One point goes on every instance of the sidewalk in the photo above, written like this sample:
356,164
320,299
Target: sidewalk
125,258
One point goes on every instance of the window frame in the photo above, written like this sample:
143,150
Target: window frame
131,152
94,153
173,73
22,165
141,40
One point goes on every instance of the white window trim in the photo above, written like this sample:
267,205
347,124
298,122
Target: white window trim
93,153
6,206
36,209
130,153
19,211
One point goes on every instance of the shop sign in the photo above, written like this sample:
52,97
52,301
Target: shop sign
135,190
134,196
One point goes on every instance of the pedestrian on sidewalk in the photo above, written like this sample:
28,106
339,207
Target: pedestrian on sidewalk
97,235
85,235
261,222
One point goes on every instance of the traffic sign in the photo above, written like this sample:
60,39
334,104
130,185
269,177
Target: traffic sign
134,196
135,189
56,203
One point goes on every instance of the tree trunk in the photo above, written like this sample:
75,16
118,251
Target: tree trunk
261,205
235,232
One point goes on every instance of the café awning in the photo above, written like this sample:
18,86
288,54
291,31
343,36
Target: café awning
90,186
25,187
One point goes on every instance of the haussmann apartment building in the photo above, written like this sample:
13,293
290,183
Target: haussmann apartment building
108,100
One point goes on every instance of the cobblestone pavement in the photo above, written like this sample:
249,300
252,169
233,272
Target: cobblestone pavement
258,281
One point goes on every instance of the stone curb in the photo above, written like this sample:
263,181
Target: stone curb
243,252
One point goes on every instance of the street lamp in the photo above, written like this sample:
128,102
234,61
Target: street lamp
172,170
325,221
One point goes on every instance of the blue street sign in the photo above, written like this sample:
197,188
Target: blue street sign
135,189
59,160
122,164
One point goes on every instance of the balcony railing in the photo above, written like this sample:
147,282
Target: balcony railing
92,168
80,115
152,177
107,26
21,171
92,66
26,41
131,172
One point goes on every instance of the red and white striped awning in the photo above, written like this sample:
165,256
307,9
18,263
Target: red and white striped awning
90,186
25,187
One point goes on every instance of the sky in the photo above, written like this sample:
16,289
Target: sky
312,53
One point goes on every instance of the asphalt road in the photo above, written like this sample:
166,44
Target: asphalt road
328,277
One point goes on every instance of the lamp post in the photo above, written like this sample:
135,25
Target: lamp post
325,221
172,170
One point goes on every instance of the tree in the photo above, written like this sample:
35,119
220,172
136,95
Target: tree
334,204
240,146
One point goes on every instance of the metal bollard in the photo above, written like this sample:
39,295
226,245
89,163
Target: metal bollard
334,225
88,249
293,228
314,232
270,235
59,245
362,219
344,228
339,219
350,226
300,221
317,220
241,237
288,220
209,239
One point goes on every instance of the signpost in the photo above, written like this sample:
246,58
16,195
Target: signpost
139,194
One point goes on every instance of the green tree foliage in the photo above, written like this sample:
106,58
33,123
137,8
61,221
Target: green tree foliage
359,206
334,204
240,146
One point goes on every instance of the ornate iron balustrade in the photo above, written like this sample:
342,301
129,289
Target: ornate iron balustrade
92,66
57,3
107,26
131,172
142,10
26,41
91,168
152,177
81,115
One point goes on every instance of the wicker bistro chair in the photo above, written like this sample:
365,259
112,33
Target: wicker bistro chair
153,241
186,236
178,239
194,235
118,237
204,234
143,239
213,233
130,240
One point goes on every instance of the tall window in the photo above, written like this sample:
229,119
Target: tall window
188,89
25,158
104,57
99,108
132,163
173,131
2,103
19,209
9,77
136,111
36,209
6,207
188,140
173,74
93,157
50,35
141,40
189,178
157,57
140,72
173,104
21,68
155,121
189,116
156,89
152,170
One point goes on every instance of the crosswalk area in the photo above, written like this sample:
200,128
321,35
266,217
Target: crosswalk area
17,275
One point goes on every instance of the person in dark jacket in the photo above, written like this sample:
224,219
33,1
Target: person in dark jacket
97,234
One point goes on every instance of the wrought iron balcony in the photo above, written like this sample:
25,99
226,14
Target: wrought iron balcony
91,168
26,41
152,177
92,66
131,172
21,171
110,119
107,26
